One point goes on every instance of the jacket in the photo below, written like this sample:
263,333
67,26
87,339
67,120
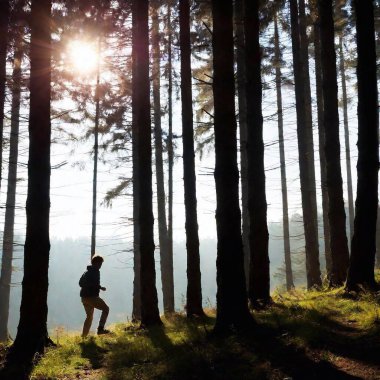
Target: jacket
90,282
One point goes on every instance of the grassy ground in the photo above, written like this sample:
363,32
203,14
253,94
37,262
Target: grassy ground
304,335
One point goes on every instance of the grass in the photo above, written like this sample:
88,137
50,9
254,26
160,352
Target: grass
300,330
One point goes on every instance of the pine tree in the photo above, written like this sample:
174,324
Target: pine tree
305,145
232,308
284,188
32,335
259,277
194,286
363,246
7,257
141,120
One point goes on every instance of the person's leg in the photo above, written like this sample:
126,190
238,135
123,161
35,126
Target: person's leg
89,308
101,305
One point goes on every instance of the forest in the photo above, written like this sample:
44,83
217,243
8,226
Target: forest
220,159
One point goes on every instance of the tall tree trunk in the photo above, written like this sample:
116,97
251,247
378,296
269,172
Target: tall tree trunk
162,227
4,24
306,152
322,156
284,187
32,335
142,126
194,286
363,247
351,214
259,276
96,150
378,239
6,263
337,216
241,79
136,310
232,307
169,261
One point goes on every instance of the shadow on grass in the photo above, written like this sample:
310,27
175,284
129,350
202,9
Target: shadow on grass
320,331
93,352
184,349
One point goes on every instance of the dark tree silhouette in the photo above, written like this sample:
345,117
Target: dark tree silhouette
232,307
161,210
321,137
284,187
305,151
242,100
337,216
259,277
4,23
142,127
7,257
194,286
32,335
363,247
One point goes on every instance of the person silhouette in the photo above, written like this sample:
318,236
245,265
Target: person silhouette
90,289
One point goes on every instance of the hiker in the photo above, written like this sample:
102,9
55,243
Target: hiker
90,288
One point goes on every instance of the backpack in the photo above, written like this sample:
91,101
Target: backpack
83,280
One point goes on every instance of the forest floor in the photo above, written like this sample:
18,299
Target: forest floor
303,335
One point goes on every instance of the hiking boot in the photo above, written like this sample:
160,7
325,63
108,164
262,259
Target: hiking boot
102,331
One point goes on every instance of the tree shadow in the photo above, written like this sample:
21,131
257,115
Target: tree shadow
290,359
323,332
93,352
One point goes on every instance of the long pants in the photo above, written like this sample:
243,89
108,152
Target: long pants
91,303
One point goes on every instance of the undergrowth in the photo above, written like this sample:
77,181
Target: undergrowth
329,322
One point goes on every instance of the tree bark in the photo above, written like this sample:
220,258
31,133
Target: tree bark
242,102
305,151
363,247
136,310
32,335
337,216
351,213
322,156
162,227
4,24
6,263
169,261
259,276
232,307
142,126
96,150
194,286
284,187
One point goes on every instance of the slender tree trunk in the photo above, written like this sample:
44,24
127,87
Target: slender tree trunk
6,264
96,151
32,335
194,286
169,262
306,153
141,120
232,307
259,276
241,79
284,187
136,311
162,227
363,247
322,156
337,216
351,213
4,23
378,239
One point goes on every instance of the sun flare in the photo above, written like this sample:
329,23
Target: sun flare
83,56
